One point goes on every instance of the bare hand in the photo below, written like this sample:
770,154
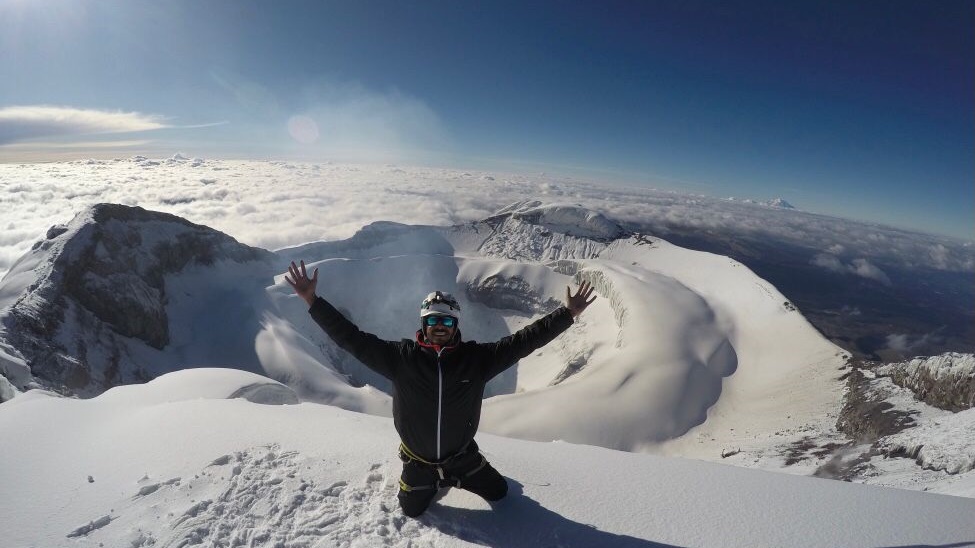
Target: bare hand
301,283
578,302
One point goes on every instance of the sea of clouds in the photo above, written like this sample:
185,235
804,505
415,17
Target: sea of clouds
274,204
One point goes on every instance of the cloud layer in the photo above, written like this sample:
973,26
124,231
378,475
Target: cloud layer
279,204
22,123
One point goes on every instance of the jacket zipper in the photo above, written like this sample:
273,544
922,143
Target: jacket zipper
439,400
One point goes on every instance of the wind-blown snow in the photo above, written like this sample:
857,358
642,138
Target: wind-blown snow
148,466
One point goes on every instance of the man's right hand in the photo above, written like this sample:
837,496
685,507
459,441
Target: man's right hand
301,283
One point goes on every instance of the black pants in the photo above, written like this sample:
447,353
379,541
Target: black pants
486,482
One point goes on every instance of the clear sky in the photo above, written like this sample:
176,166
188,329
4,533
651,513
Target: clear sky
858,109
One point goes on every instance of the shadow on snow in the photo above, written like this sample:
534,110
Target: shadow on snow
520,521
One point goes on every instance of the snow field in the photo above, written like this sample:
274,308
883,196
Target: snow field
150,466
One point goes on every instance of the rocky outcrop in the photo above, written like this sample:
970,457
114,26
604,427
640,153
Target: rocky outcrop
532,231
886,419
513,293
946,381
98,284
866,415
569,219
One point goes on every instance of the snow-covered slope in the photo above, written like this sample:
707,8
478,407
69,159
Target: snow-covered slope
684,353
166,464
95,303
674,333
677,337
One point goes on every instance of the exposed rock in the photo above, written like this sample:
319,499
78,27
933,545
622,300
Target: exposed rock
512,293
99,280
946,381
530,231
574,365
947,443
568,219
865,416
267,394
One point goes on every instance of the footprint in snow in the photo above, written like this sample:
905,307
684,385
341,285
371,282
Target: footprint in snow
260,497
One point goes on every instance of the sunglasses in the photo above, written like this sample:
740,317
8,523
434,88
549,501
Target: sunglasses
446,321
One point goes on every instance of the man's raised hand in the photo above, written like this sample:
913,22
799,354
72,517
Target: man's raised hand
578,302
301,283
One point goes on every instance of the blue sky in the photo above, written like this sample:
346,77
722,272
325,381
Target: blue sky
858,109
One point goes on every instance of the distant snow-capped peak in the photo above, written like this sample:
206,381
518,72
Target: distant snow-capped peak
779,203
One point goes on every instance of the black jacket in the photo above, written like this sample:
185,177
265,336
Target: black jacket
437,392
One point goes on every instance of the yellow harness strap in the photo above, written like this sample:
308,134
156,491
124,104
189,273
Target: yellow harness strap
406,451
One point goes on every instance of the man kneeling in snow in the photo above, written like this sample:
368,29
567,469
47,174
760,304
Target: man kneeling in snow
438,383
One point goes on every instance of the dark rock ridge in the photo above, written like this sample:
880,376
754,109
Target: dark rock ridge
883,400
99,280
513,293
866,416
946,381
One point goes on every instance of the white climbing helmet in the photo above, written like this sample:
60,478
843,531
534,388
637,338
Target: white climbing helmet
440,304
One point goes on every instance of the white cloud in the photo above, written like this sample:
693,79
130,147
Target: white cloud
897,342
829,262
908,344
939,256
863,268
860,267
21,123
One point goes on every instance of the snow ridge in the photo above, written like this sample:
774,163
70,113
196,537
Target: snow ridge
946,381
569,219
531,230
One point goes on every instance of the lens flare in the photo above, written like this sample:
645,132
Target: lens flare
303,129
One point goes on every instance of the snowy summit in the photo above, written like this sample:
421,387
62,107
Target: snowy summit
685,355
779,203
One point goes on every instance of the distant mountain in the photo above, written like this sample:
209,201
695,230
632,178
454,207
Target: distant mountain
779,203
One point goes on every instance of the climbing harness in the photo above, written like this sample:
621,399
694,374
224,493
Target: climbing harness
444,479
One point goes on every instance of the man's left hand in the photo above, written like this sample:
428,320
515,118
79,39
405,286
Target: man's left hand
578,302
